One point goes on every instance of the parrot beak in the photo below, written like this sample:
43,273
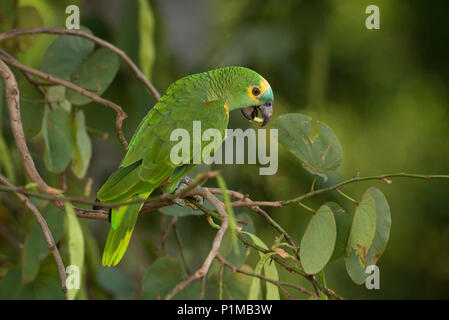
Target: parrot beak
266,110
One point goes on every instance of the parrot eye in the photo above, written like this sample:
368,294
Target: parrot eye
255,91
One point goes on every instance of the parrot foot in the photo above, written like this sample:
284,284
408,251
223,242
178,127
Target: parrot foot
185,182
109,210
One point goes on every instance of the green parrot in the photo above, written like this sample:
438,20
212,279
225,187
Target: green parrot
206,97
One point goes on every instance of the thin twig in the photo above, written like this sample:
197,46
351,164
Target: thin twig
101,42
165,234
202,272
382,177
279,284
244,199
39,88
181,248
12,101
277,259
121,115
47,234
153,202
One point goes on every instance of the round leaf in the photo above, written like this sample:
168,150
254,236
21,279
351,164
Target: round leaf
115,282
383,223
354,269
237,285
31,108
313,142
35,248
162,276
363,227
65,55
318,241
95,75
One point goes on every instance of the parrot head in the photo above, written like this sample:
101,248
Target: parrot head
254,97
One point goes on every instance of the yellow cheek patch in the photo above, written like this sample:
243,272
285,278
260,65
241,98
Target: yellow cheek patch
227,109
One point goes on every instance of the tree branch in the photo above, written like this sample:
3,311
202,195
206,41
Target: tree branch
279,284
12,101
202,272
47,234
16,33
121,115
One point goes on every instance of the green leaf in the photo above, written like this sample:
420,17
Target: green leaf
65,55
83,146
313,142
363,227
254,292
115,282
318,241
92,250
56,96
269,270
227,252
237,285
28,17
7,14
322,280
229,211
10,285
343,222
237,258
383,224
35,245
146,38
59,139
162,276
75,244
95,74
36,248
355,271
46,286
6,163
191,292
31,107
14,17
254,288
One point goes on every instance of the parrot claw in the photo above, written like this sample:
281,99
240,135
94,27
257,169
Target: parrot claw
179,202
185,182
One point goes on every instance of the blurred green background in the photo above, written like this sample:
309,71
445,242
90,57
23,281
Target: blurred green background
383,92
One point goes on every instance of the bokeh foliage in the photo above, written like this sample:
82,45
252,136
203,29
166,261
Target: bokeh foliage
383,93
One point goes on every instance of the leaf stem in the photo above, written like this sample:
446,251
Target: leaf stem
313,183
346,196
382,177
306,207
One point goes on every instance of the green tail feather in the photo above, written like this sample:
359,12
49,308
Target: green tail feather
122,225
119,183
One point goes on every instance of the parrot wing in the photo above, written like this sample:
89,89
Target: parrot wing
148,164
